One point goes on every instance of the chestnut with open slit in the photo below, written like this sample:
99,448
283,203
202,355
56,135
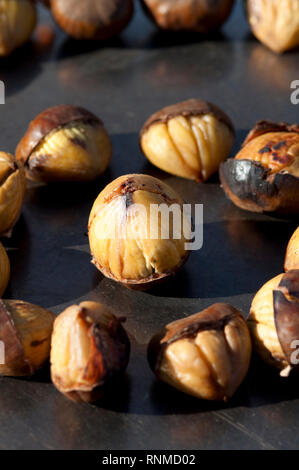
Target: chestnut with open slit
292,254
264,175
65,143
206,355
274,322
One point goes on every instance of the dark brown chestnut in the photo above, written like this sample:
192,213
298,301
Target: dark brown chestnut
189,15
89,349
92,19
264,175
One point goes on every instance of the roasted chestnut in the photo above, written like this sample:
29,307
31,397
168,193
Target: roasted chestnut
264,175
275,23
274,322
190,15
92,19
65,143
188,139
4,269
131,241
89,348
12,191
206,355
292,254
25,332
17,22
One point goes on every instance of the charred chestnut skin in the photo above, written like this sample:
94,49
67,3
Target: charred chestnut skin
92,19
106,341
292,254
206,355
264,176
188,15
274,322
83,133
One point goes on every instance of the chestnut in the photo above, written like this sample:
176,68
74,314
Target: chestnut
274,322
12,192
190,15
65,143
292,254
264,175
188,139
127,242
89,348
25,331
275,23
17,22
4,269
92,19
206,355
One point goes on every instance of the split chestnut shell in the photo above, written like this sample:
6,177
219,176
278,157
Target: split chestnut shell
274,322
206,355
89,348
65,143
264,175
292,254
188,139
25,332
129,241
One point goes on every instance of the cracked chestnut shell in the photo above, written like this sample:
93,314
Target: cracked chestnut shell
65,143
25,331
92,19
264,175
206,355
188,139
17,22
274,322
275,23
89,349
129,245
292,254
4,269
188,15
12,192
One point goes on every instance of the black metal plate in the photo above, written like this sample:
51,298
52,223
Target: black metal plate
124,81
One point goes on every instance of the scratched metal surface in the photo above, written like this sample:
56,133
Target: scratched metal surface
124,81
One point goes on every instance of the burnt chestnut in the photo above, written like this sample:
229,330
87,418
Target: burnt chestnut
190,15
206,355
92,19
89,349
129,242
25,331
65,143
292,254
274,322
264,175
188,139
275,23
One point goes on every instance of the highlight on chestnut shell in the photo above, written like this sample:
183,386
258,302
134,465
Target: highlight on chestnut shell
4,269
189,139
188,15
274,322
206,355
129,242
264,175
65,143
89,349
25,331
292,254
92,19
275,23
